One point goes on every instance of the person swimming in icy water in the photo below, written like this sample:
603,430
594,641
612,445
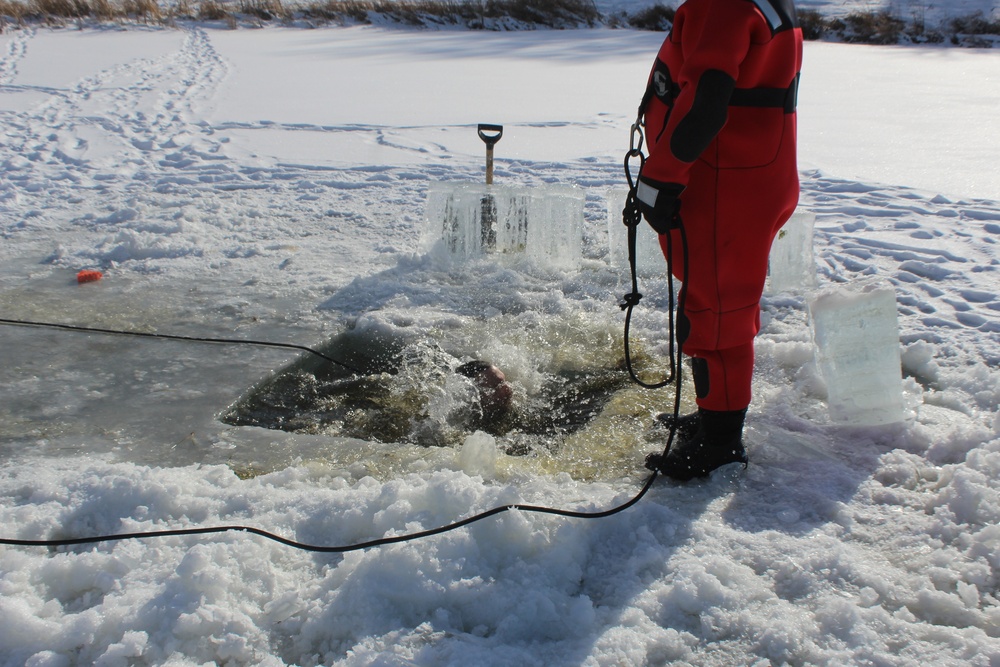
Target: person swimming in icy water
420,394
495,393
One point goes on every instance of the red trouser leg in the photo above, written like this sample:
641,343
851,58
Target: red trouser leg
730,219
722,378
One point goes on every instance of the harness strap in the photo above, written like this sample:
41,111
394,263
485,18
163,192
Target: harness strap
665,89
781,98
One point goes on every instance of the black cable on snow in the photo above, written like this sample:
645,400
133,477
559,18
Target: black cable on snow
360,546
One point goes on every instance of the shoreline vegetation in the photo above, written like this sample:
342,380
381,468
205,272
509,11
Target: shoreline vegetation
868,27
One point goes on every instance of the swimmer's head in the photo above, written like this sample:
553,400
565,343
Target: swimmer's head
495,393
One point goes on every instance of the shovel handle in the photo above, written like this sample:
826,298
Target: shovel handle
490,139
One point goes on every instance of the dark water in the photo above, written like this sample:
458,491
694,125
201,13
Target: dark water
410,392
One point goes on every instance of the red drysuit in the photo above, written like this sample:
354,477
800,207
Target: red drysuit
720,125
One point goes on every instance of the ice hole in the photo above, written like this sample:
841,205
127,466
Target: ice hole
417,393
571,409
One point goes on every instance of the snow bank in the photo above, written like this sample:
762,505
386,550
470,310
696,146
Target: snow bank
271,185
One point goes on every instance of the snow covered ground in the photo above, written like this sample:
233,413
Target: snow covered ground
270,185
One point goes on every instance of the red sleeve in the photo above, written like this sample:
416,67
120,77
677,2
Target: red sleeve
714,37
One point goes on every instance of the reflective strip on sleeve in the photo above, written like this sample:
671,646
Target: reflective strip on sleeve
646,194
770,13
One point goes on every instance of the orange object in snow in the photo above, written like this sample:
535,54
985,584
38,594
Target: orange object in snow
88,276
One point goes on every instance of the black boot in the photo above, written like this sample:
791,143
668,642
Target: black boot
717,442
687,425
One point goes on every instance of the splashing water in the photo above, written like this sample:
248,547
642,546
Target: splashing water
573,409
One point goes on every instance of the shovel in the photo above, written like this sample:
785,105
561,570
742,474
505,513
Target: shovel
472,220
490,134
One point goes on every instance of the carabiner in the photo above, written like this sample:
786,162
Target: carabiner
636,139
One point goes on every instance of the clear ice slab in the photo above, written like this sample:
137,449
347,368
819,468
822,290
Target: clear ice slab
541,222
856,331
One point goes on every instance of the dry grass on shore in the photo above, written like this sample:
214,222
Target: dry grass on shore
873,27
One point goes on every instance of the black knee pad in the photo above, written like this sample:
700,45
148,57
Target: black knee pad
699,373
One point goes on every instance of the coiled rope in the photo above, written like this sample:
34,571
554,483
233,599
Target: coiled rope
632,218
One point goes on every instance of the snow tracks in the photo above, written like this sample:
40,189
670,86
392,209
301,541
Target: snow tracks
929,246
119,131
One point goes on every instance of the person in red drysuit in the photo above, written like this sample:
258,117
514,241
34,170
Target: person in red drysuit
719,114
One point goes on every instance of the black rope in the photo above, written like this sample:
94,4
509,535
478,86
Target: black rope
193,339
75,541
632,218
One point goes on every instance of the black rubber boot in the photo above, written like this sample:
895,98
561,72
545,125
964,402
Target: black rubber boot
717,442
687,425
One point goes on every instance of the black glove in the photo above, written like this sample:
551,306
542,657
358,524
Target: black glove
659,203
